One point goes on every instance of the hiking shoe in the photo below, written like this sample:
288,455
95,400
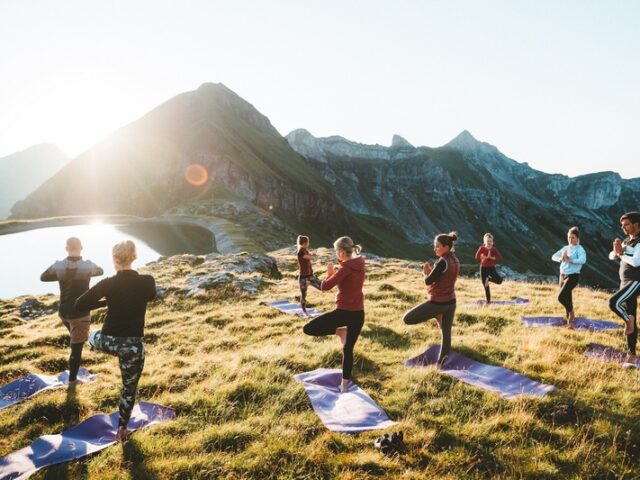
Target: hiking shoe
384,444
397,441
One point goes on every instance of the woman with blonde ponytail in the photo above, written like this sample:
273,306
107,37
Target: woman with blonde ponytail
347,319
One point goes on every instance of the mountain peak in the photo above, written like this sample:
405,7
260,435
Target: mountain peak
400,142
464,141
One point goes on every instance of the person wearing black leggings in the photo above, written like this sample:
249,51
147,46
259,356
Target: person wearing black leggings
624,302
488,256
347,319
440,280
127,294
571,258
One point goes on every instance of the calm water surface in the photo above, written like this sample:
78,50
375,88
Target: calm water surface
25,255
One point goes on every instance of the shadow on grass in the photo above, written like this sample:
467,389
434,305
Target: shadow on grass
386,337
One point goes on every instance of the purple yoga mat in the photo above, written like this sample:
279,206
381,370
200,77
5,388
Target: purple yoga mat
29,385
353,411
293,308
608,354
581,323
517,301
504,382
90,436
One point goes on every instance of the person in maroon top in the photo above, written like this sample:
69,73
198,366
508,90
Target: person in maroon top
440,280
488,256
347,319
305,275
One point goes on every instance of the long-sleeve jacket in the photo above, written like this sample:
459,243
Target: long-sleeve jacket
73,274
578,257
629,260
349,279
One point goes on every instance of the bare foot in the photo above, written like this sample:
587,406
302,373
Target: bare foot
344,386
630,325
571,318
439,320
77,381
342,333
122,434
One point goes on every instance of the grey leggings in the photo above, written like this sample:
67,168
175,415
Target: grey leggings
428,310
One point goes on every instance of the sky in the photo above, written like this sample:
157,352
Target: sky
550,82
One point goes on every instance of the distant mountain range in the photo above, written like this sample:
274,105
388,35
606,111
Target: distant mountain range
22,172
392,199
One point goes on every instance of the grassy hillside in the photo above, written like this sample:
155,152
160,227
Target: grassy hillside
226,364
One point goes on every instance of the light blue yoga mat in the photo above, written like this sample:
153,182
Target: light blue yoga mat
608,354
90,436
353,411
516,301
29,385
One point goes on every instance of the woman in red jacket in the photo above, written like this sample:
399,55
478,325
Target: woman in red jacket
347,319
488,256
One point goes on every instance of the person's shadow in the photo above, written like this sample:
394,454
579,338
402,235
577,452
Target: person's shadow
134,458
70,418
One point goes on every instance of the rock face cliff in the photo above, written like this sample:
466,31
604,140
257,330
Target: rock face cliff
470,186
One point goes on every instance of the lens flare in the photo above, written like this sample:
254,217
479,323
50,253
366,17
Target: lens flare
196,175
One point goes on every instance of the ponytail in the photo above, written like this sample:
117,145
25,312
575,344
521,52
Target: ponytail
447,239
346,244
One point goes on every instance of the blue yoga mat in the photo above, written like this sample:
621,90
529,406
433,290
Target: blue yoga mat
29,385
293,308
608,354
504,382
581,323
352,411
517,301
90,436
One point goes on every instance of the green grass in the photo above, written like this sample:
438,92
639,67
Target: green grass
226,364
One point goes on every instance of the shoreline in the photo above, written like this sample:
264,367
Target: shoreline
222,241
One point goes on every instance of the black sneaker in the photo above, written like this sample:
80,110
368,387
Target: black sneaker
384,444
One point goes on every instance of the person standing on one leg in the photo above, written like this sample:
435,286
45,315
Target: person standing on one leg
571,258
347,319
305,275
624,302
440,280
488,256
127,295
73,274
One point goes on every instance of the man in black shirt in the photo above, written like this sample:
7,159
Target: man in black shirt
73,275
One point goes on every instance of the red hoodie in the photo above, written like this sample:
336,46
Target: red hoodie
485,251
349,278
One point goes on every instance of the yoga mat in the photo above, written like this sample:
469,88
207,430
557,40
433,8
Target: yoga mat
29,385
517,301
293,308
90,436
581,323
352,411
504,382
608,354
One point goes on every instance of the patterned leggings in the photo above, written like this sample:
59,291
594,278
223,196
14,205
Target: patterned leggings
130,353
302,282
